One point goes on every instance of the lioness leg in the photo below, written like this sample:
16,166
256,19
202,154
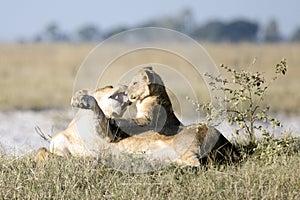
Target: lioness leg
102,123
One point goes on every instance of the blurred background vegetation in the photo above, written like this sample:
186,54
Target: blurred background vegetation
37,71
217,30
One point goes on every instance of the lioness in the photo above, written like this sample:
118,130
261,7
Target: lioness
113,102
190,146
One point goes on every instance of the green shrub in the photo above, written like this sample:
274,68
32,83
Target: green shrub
244,95
244,109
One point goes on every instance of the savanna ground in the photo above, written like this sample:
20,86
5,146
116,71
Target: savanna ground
42,76
37,77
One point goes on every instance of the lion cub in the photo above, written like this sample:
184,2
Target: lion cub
154,107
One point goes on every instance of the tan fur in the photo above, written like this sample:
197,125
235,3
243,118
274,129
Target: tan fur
148,90
191,146
154,107
181,149
68,141
188,147
41,155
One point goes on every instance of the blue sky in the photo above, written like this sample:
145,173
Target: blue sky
24,18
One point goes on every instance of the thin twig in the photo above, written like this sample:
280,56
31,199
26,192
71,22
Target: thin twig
47,137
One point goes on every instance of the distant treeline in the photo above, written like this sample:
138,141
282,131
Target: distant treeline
213,31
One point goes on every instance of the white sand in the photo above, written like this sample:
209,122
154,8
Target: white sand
18,136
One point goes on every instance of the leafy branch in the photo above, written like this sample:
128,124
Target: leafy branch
244,95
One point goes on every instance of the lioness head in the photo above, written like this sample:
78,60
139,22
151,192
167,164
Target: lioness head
112,100
119,101
143,84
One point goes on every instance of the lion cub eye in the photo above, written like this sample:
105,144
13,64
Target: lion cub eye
134,83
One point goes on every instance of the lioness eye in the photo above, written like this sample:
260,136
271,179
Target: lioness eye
134,83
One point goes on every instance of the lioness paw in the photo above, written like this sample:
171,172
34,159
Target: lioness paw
84,102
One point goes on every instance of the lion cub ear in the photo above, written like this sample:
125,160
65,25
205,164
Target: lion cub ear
152,76
148,68
148,76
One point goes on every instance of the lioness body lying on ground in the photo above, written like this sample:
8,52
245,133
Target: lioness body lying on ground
191,145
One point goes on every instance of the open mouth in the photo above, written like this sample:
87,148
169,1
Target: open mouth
122,98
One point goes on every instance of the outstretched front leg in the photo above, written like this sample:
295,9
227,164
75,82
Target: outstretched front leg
83,100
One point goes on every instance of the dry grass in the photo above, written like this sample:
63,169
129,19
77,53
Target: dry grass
75,178
36,76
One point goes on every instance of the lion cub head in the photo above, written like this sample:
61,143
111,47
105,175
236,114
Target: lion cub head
145,83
